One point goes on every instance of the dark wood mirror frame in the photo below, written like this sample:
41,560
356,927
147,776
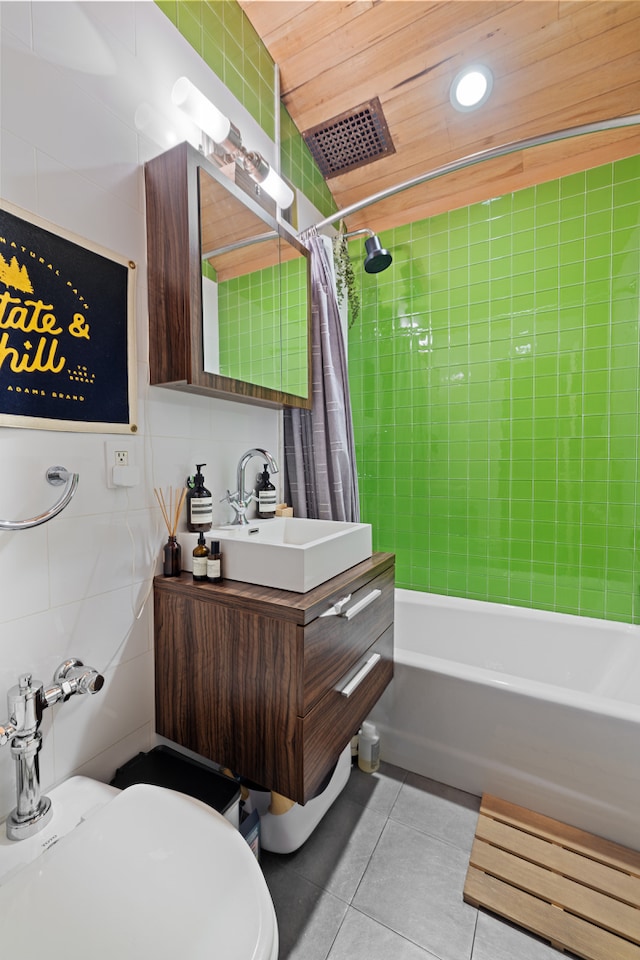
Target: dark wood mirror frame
176,349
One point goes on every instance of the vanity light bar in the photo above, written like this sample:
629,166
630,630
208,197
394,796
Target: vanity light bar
222,131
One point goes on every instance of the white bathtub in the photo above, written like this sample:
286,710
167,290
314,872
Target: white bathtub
540,708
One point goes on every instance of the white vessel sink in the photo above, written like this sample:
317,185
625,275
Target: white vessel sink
290,553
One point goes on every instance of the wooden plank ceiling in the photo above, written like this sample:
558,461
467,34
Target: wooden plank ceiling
555,65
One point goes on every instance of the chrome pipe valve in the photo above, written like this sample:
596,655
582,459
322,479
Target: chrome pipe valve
72,677
26,703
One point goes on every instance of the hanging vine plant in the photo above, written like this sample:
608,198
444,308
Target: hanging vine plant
345,277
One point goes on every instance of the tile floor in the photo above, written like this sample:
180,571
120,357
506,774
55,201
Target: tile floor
381,878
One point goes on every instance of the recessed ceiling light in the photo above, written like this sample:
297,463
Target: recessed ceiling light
471,88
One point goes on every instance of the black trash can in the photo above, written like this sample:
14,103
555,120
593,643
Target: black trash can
164,767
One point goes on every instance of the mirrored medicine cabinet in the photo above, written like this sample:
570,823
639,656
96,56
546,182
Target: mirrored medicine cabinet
229,287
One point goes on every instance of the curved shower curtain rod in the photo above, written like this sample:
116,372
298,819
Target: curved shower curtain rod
490,154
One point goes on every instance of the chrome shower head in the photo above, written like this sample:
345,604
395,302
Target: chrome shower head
377,258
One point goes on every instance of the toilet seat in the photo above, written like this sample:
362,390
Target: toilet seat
153,873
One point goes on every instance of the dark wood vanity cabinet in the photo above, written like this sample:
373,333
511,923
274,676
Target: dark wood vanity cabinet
253,677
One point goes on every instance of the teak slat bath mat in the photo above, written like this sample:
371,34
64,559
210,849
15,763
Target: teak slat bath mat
578,891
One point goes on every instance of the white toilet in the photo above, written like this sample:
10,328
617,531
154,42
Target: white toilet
127,875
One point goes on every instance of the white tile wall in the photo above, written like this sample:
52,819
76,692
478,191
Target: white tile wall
72,77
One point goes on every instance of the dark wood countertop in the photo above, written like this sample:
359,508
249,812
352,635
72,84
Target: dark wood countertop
300,608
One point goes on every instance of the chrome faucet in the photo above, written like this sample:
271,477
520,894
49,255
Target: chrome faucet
26,703
241,499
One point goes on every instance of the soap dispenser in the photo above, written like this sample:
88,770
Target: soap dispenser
266,496
199,503
200,555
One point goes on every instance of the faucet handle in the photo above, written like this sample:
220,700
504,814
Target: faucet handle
234,501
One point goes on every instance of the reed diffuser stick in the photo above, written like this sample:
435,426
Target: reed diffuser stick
160,499
169,514
183,493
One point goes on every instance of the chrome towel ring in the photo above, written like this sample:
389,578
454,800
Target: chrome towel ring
56,476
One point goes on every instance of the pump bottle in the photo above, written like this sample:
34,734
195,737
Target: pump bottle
266,496
200,555
199,503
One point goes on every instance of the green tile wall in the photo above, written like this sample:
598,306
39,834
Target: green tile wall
223,36
293,315
299,167
263,327
494,382
249,328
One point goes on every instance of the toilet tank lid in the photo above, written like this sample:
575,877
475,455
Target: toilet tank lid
153,873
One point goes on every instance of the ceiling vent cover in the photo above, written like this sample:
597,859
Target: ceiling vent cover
350,140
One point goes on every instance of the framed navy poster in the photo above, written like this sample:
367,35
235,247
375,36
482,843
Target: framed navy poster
67,330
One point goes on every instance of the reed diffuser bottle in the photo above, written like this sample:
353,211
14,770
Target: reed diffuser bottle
172,552
172,556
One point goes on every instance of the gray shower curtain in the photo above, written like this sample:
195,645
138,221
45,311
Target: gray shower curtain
320,463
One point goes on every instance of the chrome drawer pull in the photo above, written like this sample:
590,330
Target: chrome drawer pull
361,604
337,610
355,682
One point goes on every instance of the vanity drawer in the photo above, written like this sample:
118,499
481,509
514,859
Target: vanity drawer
334,642
327,729
251,677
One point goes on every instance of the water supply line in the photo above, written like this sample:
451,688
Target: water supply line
472,159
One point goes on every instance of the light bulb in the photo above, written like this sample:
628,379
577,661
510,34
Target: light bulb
277,189
471,88
199,109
